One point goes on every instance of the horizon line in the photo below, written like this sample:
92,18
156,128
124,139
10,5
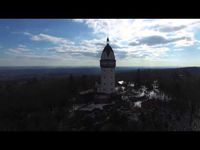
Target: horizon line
99,66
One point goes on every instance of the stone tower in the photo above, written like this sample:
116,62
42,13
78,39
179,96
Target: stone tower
107,64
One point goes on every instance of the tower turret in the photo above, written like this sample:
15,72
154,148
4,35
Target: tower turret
107,64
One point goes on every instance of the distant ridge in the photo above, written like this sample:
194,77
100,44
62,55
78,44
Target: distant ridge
34,70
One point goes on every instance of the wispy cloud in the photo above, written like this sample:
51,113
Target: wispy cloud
93,48
22,52
157,40
52,39
126,33
20,49
134,41
145,39
63,45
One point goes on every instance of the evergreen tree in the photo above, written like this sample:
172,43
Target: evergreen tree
138,78
72,85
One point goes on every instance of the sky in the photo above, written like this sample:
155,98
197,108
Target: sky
79,42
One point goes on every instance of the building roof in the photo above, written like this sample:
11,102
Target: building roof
107,52
107,49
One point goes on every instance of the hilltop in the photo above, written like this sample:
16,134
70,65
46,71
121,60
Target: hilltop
147,99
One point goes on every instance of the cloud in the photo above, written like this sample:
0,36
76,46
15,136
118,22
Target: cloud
128,30
177,27
25,33
131,39
171,28
49,38
120,54
22,52
156,40
39,57
125,27
144,51
135,38
19,50
126,33
69,49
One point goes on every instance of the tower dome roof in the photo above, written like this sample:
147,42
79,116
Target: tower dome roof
107,52
107,49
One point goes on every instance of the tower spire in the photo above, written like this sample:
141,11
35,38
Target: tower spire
107,40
